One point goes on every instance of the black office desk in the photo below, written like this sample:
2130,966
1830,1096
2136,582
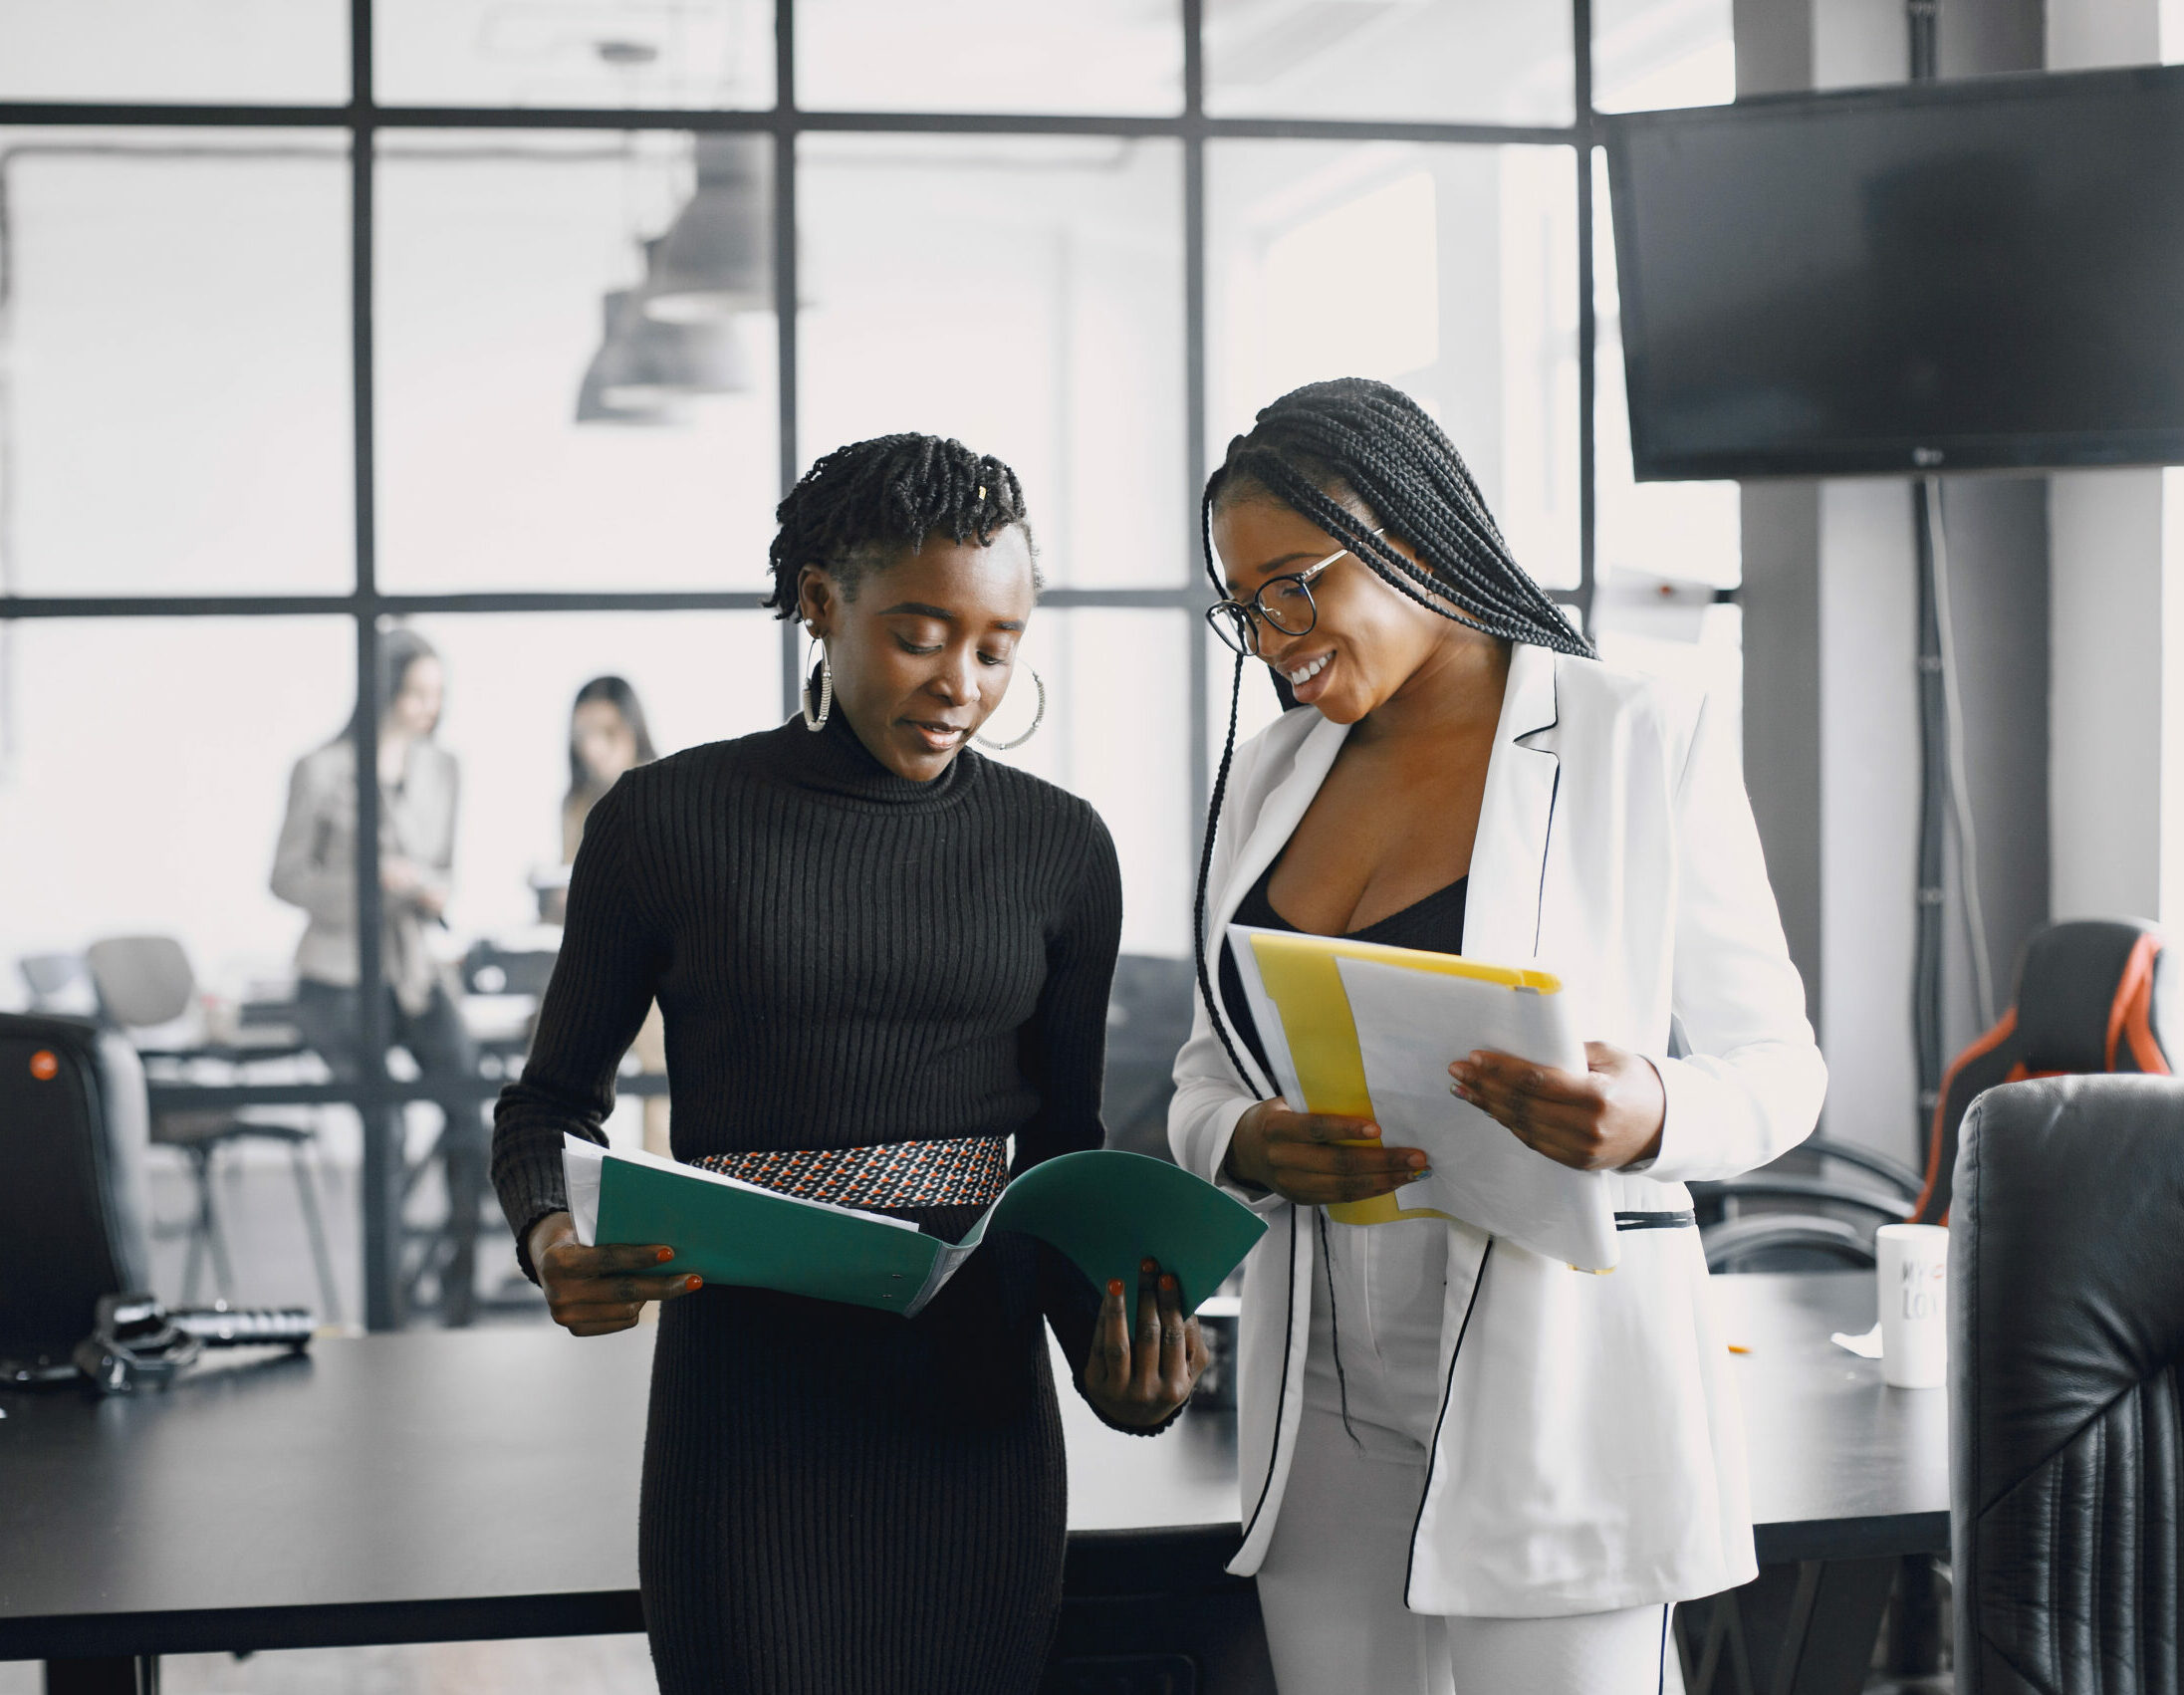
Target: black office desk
442,1485
1847,1477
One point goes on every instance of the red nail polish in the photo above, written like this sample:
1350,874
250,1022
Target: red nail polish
693,1280
664,1256
1167,1282
1115,1287
1148,1265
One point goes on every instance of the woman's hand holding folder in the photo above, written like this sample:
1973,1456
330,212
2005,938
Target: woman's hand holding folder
1600,1119
594,1291
1141,1379
1313,1158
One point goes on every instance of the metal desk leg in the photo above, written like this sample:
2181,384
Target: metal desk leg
119,1676
1803,1630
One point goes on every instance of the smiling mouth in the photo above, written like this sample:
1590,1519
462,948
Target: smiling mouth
1304,673
937,735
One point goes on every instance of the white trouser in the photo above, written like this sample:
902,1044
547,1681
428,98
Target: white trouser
1331,1585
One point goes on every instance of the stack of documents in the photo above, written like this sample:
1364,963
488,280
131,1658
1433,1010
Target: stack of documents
1360,1028
1105,1210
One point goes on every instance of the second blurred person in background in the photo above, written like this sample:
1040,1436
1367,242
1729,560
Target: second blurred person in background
608,736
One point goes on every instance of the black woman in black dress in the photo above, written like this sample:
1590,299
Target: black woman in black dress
877,955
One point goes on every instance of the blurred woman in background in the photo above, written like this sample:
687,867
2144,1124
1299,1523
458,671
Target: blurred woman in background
608,736
315,868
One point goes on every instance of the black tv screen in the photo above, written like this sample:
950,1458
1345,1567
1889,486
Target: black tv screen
1949,276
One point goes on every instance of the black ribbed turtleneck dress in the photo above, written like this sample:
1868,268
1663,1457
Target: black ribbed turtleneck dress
839,1500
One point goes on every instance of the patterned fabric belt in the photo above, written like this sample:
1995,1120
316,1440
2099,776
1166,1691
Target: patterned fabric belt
965,1171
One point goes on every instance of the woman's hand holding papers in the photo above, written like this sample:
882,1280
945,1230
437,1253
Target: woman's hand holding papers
1141,1379
1302,1156
594,1291
1600,1119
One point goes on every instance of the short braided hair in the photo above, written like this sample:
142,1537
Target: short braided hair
1365,440
874,503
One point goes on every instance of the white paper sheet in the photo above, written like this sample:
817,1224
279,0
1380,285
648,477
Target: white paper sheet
580,1176
1411,1025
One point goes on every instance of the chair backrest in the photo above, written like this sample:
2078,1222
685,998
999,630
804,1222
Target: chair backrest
141,980
58,982
72,1130
2066,1388
2093,995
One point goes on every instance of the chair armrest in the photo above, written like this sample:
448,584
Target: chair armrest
1729,1245
1808,1189
1890,1171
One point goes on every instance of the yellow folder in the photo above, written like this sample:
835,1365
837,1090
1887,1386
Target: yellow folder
1302,979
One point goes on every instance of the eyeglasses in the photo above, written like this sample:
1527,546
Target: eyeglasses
1285,602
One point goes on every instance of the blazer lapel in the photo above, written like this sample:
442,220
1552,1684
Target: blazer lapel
1505,903
1278,817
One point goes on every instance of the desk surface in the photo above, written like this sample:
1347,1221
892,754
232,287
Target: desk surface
448,1485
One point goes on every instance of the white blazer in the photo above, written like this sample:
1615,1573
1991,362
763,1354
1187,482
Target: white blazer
1588,1453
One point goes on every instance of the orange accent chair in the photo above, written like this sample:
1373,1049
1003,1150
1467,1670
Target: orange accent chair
2093,995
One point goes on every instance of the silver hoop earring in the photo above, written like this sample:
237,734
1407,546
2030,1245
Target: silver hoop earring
825,691
1037,718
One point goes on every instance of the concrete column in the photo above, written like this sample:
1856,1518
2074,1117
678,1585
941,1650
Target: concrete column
2112,774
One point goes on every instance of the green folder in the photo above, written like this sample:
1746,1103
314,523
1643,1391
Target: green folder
1105,1210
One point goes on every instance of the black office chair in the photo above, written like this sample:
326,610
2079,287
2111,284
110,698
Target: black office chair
2093,995
145,983
2066,1389
72,1130
1148,1021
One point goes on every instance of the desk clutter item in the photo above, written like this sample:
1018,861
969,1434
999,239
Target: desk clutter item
74,1127
136,1344
1361,1028
1104,1210
1914,1305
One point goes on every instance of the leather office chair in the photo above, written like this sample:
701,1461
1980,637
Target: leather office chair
147,983
1148,1021
73,1129
2093,995
2066,1389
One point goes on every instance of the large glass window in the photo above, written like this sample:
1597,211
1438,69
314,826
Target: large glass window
175,382
1449,271
512,681
686,53
256,52
1019,293
144,768
1066,235
1094,56
1451,60
543,423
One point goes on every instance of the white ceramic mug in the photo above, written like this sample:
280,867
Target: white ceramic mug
1914,1305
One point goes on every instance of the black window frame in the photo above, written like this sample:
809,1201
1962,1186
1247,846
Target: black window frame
377,1096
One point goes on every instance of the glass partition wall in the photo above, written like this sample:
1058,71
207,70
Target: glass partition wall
327,329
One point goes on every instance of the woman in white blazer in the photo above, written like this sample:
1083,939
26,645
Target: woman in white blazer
1462,1464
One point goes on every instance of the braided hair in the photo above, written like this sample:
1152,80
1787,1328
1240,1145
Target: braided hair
874,503
1366,443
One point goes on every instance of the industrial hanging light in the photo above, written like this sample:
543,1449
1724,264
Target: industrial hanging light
593,403
643,367
717,256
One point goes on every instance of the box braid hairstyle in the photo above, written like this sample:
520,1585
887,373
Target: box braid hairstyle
871,504
1372,444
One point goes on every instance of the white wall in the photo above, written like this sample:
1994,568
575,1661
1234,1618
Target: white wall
2113,772
1869,787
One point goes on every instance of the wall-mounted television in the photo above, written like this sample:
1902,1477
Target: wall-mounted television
1947,276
